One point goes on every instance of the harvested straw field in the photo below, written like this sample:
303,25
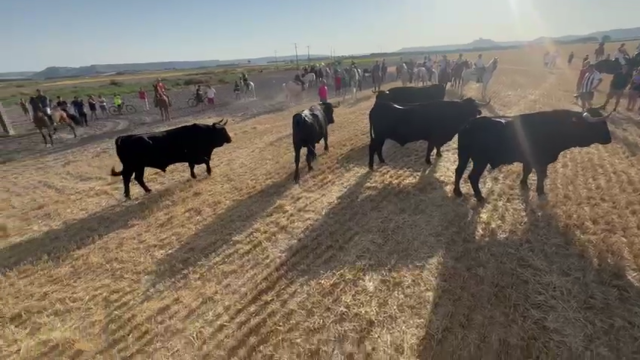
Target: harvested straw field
349,264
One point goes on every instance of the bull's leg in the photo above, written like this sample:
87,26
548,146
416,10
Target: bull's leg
526,171
438,151
139,176
474,178
541,173
126,179
326,141
208,165
296,149
463,161
379,151
311,155
192,172
429,151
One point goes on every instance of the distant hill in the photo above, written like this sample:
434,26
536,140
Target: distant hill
16,75
616,34
107,69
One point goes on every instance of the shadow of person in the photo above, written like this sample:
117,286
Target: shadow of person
57,243
531,294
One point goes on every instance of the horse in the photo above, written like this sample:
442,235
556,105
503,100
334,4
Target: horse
310,79
421,76
456,73
402,73
353,77
41,121
443,76
470,74
162,103
250,88
293,91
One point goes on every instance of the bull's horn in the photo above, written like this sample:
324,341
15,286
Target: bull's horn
225,122
480,104
337,105
590,118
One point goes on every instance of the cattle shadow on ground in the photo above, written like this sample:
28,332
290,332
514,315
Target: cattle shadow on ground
57,243
410,157
531,294
382,228
217,234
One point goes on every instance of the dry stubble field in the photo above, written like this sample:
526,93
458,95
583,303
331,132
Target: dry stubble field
350,264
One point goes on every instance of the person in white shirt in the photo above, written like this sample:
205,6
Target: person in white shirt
590,83
479,65
620,54
211,94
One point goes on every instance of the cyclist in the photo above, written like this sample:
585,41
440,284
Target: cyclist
117,101
199,96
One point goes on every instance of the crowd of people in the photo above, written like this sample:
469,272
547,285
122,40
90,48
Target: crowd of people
590,79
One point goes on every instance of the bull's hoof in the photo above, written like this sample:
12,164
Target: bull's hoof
541,193
193,176
148,191
371,167
438,154
524,185
480,198
457,192
127,197
326,148
428,161
209,172
296,178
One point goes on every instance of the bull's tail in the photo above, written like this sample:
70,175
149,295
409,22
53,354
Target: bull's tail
114,172
312,153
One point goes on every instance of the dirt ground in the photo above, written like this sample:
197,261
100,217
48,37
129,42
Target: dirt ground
348,264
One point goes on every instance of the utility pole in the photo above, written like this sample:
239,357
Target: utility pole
297,63
276,53
308,55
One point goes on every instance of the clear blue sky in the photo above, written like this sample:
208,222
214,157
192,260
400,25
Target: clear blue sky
39,33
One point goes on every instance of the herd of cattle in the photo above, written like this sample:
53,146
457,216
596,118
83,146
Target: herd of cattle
401,114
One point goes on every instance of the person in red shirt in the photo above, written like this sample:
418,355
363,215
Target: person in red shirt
162,90
142,95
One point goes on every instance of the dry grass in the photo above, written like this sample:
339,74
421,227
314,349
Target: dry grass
383,265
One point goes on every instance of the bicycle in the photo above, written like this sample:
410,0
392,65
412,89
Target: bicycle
126,109
193,102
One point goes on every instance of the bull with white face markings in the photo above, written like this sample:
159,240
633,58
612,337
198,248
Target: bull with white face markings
309,127
534,139
192,144
436,122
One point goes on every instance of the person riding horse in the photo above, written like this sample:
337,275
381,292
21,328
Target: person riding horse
298,79
245,80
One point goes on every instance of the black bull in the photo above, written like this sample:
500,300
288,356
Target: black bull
411,95
609,66
308,128
534,139
192,144
436,122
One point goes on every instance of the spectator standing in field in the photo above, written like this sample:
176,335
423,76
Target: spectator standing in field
93,108
634,91
211,96
620,81
323,92
102,103
78,106
376,76
570,58
25,108
592,79
621,54
162,90
583,72
62,105
142,95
